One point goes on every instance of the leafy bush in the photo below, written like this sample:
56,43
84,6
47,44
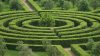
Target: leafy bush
83,5
3,48
48,4
14,5
47,19
1,6
96,49
67,5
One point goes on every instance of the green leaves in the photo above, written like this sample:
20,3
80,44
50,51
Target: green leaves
48,4
47,19
14,5
3,48
83,5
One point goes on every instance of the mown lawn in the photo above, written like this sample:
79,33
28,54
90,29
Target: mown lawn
15,53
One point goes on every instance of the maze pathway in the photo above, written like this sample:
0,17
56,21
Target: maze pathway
75,27
26,4
68,50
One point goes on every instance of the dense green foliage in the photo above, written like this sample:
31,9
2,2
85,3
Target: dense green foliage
47,23
83,5
46,19
96,49
3,48
14,5
9,5
74,5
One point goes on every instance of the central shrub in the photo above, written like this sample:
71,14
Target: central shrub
46,19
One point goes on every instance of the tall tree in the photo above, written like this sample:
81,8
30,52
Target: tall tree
14,5
83,5
48,4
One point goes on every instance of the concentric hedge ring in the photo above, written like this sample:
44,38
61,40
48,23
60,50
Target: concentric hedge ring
17,25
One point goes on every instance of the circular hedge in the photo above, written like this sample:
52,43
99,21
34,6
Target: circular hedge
15,26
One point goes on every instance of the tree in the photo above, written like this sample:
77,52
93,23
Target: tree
6,1
95,4
47,19
14,5
26,51
83,5
96,49
74,2
48,4
3,48
67,5
61,3
23,49
20,45
1,6
90,44
51,50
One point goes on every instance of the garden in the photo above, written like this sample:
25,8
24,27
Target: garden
49,28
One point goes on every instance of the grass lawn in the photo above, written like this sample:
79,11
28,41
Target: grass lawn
15,53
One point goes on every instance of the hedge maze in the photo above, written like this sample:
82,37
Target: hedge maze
71,27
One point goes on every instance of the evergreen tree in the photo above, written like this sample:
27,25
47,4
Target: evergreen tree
14,5
83,5
48,4
61,3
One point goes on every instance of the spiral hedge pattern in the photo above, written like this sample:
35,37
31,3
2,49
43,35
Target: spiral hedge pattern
15,26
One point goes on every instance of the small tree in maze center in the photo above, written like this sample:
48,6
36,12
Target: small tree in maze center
47,19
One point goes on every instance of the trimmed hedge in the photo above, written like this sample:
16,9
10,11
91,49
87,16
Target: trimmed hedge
59,48
78,28
77,50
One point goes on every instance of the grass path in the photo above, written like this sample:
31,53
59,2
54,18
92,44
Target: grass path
28,6
68,50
